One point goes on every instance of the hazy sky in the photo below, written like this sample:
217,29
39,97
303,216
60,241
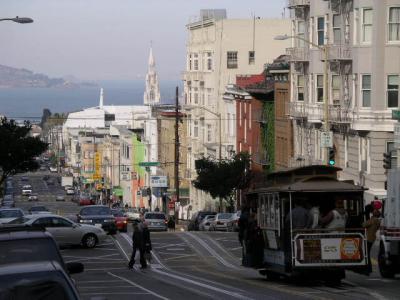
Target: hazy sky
108,39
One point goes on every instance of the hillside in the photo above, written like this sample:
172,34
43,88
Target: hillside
14,78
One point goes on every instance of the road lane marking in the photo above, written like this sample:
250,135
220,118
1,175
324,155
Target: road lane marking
212,251
180,256
138,286
169,245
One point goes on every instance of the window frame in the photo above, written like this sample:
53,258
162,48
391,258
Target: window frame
298,87
389,23
320,30
392,90
301,34
317,88
362,90
195,62
338,89
252,57
393,152
363,25
337,28
231,61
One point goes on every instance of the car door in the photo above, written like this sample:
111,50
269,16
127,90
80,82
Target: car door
45,222
65,231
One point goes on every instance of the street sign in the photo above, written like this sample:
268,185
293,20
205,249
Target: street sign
326,139
149,164
396,114
158,181
396,134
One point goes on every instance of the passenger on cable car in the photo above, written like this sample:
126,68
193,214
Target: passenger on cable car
336,218
301,217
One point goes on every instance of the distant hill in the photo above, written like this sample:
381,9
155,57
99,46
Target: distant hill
13,78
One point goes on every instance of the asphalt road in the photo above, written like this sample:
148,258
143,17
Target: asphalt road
189,265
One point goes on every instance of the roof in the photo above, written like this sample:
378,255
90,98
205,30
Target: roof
314,185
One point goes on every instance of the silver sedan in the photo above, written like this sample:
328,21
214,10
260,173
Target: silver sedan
64,231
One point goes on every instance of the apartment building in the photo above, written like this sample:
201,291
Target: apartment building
219,48
362,40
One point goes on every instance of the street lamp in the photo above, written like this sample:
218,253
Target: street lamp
324,49
17,19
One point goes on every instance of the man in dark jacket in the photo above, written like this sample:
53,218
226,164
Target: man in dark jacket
146,241
137,244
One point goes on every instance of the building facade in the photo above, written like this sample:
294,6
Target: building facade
362,39
218,49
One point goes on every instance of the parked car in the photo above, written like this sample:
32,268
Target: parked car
36,280
98,215
38,209
120,220
10,214
233,223
65,231
53,169
33,197
220,222
21,244
205,223
156,221
60,198
70,191
197,218
132,214
26,190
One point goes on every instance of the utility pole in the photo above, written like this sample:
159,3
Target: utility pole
176,169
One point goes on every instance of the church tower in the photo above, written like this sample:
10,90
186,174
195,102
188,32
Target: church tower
152,92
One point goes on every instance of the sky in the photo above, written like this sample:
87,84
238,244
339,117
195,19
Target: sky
109,39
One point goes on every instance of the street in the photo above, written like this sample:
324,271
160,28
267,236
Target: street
195,265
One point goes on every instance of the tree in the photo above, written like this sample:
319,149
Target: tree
222,178
18,150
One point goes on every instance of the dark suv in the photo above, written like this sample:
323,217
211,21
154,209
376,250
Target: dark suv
100,216
197,218
21,244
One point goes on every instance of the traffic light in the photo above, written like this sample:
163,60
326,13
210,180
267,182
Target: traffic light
387,160
331,156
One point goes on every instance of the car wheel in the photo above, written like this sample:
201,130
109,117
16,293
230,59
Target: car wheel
89,240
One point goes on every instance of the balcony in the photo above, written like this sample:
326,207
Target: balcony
296,110
338,52
315,113
338,114
296,3
298,54
193,76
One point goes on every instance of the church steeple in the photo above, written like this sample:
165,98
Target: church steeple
152,92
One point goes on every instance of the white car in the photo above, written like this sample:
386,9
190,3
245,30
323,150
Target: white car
221,221
64,231
33,197
70,191
233,223
53,169
10,214
206,222
27,190
132,214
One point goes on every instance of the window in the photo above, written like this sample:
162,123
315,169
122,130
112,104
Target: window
300,87
301,31
336,26
321,30
58,222
196,129
190,61
232,62
196,62
394,24
252,57
196,95
320,88
366,25
209,132
209,61
393,91
366,90
390,148
336,89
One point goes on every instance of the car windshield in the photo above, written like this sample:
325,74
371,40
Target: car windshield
20,220
224,216
117,213
89,211
28,250
155,216
38,208
15,213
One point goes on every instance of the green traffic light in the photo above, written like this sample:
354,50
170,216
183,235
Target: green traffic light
332,162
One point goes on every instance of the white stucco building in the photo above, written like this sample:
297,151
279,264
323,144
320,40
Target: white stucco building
218,49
